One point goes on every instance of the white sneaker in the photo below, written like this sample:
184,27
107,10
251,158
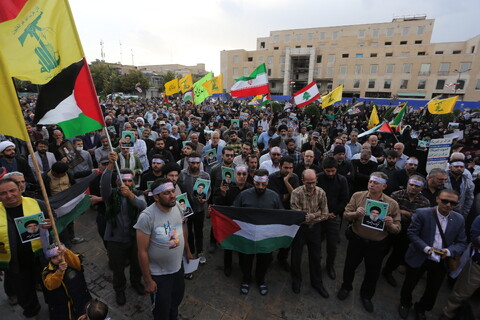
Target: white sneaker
201,258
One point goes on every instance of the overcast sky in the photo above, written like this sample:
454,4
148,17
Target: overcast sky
193,31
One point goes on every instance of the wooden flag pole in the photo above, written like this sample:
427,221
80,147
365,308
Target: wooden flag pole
44,191
111,149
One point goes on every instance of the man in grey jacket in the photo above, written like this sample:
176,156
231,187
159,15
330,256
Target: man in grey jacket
460,180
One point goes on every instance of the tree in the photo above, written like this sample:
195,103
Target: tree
129,81
312,111
105,78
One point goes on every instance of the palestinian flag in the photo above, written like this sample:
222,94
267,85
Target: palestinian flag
69,100
307,95
254,230
382,127
398,119
188,96
256,83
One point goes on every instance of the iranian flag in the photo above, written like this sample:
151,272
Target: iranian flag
254,230
70,101
255,84
307,95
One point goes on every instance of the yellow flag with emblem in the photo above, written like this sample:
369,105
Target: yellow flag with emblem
373,121
186,83
332,97
171,87
214,85
442,106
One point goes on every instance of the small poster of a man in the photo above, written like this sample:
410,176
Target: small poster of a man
228,176
129,139
69,155
28,227
112,129
184,143
375,212
211,156
185,204
235,123
200,188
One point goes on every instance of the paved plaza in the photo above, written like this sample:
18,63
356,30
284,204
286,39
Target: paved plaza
213,296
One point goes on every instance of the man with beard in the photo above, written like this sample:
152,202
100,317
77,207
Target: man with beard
314,145
241,159
58,142
389,167
272,165
363,168
197,129
283,182
149,176
353,144
170,143
435,183
162,242
85,167
262,198
103,150
402,158
127,160
337,191
265,137
198,145
171,171
252,164
460,181
292,152
401,177
234,142
313,200
186,152
344,166
377,151
45,159
11,162
160,149
215,143
307,163
409,200
146,134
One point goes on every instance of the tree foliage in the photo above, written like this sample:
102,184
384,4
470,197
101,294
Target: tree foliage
312,110
105,78
129,81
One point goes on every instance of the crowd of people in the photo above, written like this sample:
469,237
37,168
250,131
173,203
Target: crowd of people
395,213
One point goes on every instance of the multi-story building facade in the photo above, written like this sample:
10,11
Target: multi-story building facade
177,69
380,60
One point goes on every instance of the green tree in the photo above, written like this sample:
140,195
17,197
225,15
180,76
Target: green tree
312,111
105,78
129,81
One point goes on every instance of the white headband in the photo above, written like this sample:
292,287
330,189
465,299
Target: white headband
260,178
412,161
416,182
194,159
241,168
276,149
163,187
157,160
457,164
126,176
378,179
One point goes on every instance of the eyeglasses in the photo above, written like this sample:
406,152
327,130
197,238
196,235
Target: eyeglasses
446,201
241,173
228,155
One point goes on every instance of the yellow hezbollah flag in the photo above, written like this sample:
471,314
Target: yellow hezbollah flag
186,83
40,41
373,121
215,85
332,97
442,106
171,87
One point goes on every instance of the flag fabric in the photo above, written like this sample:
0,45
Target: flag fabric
307,95
69,101
398,119
214,85
138,88
256,83
332,97
254,230
171,87
399,108
356,108
188,96
200,93
266,100
385,127
257,97
186,83
382,127
442,106
373,121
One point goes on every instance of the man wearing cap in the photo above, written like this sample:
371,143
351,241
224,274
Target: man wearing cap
265,137
272,165
460,181
162,242
10,161
123,207
409,200
366,244
149,176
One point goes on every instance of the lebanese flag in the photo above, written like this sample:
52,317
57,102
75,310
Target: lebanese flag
70,101
307,95
254,230
256,83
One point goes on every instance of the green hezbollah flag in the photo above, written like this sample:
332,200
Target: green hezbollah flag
200,92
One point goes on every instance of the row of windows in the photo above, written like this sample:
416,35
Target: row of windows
387,84
335,35
444,68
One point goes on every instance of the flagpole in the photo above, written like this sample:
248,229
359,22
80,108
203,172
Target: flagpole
111,149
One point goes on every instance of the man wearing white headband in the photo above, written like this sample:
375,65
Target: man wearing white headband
461,181
401,177
123,207
366,244
161,241
409,200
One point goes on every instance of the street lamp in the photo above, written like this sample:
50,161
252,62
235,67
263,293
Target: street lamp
292,84
458,79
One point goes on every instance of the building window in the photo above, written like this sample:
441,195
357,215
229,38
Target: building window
440,85
334,35
358,69
361,33
425,69
371,84
420,30
403,84
438,52
245,72
421,53
235,59
375,33
389,69
356,84
273,85
472,49
331,58
298,47
329,86
464,66
373,68
310,36
287,38
418,41
299,37
388,43
345,55
269,72
322,36
457,51
402,43
405,54
387,84
407,68
342,70
389,32
461,84
262,45
275,48
444,68
421,84
477,86
235,71
330,72
270,60
276,39
250,59
373,55
360,44
389,54
405,31
359,55
309,46
319,59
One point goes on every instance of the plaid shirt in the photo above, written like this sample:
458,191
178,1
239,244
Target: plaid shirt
296,156
404,202
237,147
301,200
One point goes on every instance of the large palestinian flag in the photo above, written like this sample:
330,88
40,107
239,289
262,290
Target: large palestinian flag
254,230
69,101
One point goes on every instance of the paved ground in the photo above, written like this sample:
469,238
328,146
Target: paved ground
211,295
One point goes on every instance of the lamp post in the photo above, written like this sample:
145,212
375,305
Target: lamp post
458,79
292,84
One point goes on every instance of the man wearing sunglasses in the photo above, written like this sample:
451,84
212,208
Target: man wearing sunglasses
427,251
